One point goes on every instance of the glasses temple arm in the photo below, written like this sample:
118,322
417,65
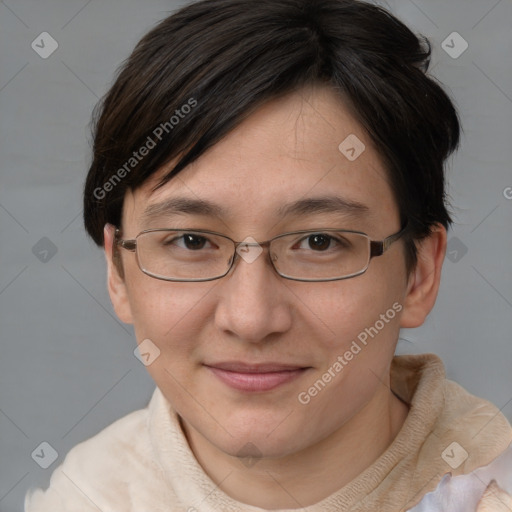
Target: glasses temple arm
377,248
129,245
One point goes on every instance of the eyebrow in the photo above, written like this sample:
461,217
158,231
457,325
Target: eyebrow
301,207
182,205
325,204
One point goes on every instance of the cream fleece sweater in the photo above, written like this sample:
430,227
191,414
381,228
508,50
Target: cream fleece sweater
142,462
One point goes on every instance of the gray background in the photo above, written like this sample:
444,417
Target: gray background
67,368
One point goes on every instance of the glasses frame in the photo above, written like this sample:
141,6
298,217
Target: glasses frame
377,248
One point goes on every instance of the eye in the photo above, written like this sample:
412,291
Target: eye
318,242
190,241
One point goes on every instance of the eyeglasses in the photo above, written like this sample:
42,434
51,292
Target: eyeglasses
308,255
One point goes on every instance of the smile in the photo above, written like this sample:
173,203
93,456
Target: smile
255,378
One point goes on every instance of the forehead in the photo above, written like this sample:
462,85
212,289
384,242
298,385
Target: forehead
305,145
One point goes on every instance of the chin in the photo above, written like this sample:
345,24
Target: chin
250,435
256,447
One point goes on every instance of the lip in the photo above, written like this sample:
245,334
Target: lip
255,377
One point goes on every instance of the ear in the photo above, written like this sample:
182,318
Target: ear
424,280
115,281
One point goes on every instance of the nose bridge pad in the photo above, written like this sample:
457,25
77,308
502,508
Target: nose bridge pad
236,256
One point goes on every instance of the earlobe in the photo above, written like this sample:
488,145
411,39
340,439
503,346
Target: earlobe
115,281
423,284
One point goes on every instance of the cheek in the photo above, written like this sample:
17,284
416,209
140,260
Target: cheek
172,316
364,324
169,314
362,316
346,310
355,362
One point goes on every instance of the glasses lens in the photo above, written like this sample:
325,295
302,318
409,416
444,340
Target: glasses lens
184,255
321,255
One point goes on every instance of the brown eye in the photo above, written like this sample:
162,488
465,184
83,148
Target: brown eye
189,241
322,242
319,242
194,242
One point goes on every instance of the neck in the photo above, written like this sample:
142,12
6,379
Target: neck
306,477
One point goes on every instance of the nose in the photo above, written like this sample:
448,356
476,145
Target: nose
253,302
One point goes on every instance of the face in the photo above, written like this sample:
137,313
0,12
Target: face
240,356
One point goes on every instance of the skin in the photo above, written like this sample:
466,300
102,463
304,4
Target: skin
286,150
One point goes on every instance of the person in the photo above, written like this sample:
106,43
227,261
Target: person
268,186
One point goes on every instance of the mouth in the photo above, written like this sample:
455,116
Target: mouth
255,377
